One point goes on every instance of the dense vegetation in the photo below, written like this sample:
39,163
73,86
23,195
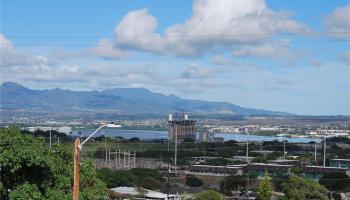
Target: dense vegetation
298,188
193,181
186,150
335,181
209,195
232,184
139,177
30,170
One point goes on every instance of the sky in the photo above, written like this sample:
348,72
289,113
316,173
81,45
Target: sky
279,55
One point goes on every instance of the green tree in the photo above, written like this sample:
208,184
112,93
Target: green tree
265,189
298,188
116,178
335,181
297,170
233,183
278,179
26,191
209,195
140,177
30,170
193,181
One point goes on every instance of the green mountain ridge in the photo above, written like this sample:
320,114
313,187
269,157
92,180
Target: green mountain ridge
120,100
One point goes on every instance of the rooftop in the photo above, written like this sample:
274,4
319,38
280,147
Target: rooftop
133,191
215,166
327,167
339,159
270,164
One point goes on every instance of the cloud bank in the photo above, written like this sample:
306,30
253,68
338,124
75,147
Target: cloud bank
213,24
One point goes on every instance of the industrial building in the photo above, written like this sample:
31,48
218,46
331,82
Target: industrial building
181,128
271,169
210,170
317,172
295,163
203,159
342,163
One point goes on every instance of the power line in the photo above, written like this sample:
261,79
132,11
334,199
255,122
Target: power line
189,36
192,149
196,43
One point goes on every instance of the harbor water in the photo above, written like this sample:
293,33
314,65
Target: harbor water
154,135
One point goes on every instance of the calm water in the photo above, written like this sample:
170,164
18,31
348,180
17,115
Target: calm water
152,135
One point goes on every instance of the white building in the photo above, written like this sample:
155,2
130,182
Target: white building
147,194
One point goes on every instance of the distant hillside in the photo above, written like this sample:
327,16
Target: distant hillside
118,100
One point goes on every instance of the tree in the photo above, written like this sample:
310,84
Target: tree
278,179
26,191
134,139
116,178
298,188
193,181
335,181
209,195
141,177
30,170
297,170
233,183
265,189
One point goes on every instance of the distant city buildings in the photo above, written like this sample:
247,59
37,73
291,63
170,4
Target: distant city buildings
62,129
206,136
328,133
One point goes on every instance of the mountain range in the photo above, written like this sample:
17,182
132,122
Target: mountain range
119,100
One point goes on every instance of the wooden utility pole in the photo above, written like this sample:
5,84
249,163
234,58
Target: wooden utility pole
76,170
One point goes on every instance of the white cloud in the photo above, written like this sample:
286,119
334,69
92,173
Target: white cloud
103,49
339,22
185,85
316,63
12,57
346,57
137,31
264,51
196,71
56,71
220,60
213,24
106,50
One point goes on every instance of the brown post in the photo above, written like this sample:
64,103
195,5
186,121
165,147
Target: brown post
76,170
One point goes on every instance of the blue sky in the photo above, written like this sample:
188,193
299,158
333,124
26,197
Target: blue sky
289,56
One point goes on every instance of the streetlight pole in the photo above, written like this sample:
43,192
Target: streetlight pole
315,149
247,150
284,148
324,152
50,137
77,147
